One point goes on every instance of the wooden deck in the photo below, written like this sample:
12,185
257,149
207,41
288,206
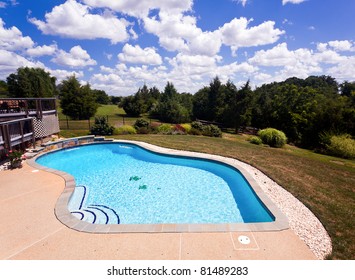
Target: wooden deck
17,116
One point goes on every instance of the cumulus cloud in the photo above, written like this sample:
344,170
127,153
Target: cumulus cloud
135,54
42,50
188,73
10,61
75,58
284,2
12,39
237,33
64,74
302,62
174,31
141,9
74,20
344,45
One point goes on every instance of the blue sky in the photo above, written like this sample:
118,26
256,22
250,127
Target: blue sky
118,46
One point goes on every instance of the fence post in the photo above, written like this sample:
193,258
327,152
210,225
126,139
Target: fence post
67,122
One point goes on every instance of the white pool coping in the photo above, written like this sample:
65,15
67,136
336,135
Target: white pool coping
63,215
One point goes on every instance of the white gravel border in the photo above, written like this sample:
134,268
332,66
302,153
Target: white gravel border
301,220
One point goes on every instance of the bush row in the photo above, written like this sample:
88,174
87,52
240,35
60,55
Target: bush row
142,126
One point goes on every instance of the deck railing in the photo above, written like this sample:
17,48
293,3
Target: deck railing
16,132
14,107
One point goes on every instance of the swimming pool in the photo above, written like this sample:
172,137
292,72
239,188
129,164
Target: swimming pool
127,184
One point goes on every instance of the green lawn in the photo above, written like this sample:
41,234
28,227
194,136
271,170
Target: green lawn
324,184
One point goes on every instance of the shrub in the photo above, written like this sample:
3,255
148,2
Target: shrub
194,131
179,127
125,129
212,131
273,137
341,146
255,140
15,158
143,130
165,129
101,127
197,125
187,127
153,127
141,123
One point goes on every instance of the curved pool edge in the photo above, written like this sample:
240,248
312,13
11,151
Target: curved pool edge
65,217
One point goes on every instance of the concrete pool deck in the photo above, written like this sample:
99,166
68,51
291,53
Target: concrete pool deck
29,230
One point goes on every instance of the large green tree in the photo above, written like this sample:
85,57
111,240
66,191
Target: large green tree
170,108
31,82
77,101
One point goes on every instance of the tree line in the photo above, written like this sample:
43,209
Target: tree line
305,109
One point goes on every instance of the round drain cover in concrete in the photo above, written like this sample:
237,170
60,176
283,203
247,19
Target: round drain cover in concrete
244,239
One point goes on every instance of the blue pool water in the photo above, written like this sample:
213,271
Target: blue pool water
124,183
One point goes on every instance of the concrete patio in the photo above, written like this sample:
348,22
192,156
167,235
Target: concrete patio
29,230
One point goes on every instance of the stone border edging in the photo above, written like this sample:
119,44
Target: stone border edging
62,213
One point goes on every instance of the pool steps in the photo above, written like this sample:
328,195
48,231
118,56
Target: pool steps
93,213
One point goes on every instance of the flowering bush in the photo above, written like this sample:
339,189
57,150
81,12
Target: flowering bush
15,158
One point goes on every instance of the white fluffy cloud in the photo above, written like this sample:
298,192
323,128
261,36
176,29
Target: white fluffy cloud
64,74
237,33
75,58
12,39
305,62
135,54
42,50
284,2
188,73
174,31
74,20
139,8
10,61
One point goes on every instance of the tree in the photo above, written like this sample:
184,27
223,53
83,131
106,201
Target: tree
77,102
101,96
169,108
115,99
132,105
4,90
347,88
200,109
31,82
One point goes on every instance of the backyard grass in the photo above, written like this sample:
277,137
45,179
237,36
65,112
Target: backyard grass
324,184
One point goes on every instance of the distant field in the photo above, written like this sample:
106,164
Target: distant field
71,128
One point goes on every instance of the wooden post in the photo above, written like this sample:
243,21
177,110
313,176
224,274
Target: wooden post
22,136
67,122
26,108
33,134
